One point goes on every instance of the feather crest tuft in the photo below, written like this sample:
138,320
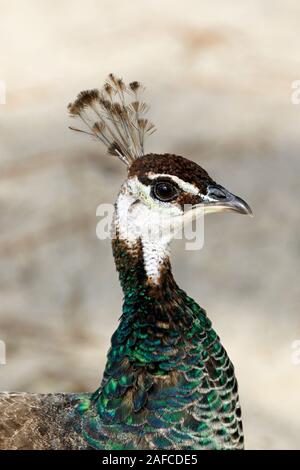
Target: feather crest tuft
112,117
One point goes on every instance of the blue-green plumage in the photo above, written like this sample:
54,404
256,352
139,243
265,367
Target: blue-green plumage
168,382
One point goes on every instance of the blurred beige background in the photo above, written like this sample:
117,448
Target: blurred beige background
218,77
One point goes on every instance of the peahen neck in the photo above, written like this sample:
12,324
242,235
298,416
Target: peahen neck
154,305
168,383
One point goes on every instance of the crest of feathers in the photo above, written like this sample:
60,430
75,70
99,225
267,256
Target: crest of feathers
115,115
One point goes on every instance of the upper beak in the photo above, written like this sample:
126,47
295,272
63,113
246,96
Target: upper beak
219,199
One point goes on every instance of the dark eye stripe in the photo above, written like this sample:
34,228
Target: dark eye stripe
145,180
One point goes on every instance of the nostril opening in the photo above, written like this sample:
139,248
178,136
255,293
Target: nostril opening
216,193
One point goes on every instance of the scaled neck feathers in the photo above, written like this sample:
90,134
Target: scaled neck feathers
168,383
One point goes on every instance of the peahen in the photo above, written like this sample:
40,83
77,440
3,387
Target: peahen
168,382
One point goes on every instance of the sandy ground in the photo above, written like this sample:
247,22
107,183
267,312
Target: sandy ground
218,76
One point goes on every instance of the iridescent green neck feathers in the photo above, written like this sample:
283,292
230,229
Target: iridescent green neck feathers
168,382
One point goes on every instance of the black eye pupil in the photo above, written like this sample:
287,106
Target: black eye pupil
164,191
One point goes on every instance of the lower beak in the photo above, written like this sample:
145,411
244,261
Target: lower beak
219,199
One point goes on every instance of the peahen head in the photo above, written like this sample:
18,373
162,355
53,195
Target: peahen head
162,191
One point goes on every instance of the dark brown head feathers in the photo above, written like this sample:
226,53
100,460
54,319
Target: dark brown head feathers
174,165
115,116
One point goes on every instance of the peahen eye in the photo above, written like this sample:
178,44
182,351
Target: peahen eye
164,191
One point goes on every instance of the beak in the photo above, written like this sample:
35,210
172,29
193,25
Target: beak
218,199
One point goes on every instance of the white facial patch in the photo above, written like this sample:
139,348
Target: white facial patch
140,217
